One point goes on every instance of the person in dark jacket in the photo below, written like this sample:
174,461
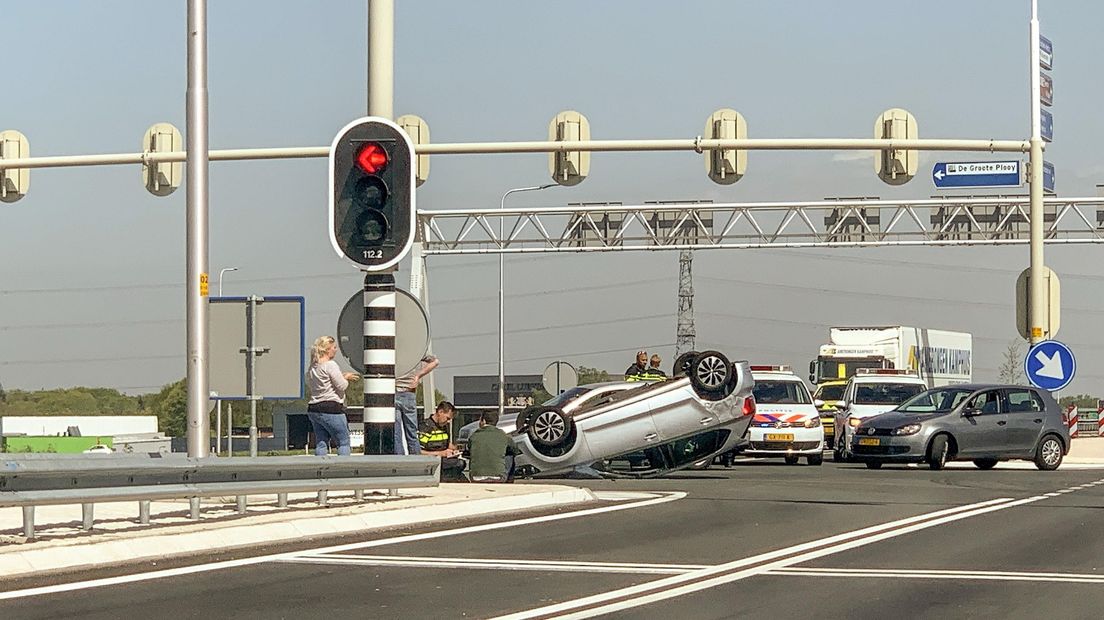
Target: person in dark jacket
435,438
492,452
637,371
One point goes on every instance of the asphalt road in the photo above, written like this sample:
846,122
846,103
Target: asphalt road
755,541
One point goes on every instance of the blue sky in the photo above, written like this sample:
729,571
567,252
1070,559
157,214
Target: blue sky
92,266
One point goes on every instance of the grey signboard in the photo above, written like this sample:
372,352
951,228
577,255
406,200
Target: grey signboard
280,368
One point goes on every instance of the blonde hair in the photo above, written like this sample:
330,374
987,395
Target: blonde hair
320,346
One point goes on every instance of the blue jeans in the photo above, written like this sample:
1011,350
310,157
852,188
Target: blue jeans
327,425
406,424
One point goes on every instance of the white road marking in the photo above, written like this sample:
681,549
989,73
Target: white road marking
670,587
499,564
651,499
938,574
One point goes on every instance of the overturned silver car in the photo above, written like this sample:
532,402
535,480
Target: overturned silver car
639,429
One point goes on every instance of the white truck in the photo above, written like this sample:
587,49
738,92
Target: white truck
938,357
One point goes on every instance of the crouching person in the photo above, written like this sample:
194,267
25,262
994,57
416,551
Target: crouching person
435,439
492,452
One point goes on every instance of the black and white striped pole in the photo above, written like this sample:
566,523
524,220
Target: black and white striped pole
379,364
372,224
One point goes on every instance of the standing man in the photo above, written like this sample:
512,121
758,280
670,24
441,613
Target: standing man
492,452
637,371
435,436
655,373
406,406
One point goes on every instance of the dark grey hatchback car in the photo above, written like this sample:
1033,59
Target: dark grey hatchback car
982,423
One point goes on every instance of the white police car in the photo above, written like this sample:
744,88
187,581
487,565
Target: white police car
787,422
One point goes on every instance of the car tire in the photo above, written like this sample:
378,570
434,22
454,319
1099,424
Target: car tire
791,460
682,364
710,372
938,452
1048,456
548,426
873,464
815,459
985,463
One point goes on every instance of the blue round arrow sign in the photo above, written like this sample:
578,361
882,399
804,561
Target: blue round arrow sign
1050,365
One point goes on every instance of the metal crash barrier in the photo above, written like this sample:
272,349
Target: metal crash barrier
39,480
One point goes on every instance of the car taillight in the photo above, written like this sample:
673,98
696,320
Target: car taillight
749,406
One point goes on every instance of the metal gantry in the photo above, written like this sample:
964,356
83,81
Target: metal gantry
613,226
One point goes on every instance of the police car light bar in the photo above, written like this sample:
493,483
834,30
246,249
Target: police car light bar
883,371
775,368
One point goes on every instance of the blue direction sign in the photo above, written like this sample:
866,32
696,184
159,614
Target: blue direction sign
1046,53
1046,125
1048,177
1050,365
977,174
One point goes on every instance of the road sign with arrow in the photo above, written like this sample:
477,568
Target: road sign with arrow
1050,365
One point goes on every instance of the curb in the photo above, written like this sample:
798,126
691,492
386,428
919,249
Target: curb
185,539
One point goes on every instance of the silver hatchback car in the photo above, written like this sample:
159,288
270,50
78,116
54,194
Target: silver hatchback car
982,423
644,431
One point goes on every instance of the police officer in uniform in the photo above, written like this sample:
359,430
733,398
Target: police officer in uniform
435,439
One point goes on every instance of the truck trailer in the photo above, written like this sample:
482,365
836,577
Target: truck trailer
939,357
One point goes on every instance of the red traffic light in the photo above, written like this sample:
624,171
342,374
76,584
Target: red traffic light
372,158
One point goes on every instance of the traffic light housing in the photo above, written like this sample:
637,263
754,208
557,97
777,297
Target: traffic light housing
371,201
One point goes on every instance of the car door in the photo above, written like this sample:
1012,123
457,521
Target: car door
621,425
983,427
1026,415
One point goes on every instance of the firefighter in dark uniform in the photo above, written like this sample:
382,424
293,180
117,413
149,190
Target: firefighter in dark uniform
434,435
654,373
637,371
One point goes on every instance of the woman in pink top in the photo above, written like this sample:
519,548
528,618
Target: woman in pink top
326,407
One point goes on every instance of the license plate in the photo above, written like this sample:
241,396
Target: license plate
869,441
780,436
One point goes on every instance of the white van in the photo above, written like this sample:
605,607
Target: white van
870,392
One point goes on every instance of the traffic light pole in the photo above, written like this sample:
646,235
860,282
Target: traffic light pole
1038,329
379,363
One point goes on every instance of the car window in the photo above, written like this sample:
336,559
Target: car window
939,399
781,392
830,392
986,403
885,393
1020,401
566,396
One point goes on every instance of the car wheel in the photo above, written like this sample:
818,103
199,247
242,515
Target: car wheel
682,364
873,464
937,453
985,463
548,426
791,460
815,459
709,374
1048,456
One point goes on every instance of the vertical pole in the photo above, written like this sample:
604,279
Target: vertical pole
684,331
419,288
198,427
379,362
28,522
1038,318
501,319
218,427
144,511
251,371
229,429
381,57
87,516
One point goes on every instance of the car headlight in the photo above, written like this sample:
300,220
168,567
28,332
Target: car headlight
854,422
813,422
908,429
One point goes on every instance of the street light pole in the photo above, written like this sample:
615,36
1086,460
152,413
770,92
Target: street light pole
222,271
501,330
218,403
